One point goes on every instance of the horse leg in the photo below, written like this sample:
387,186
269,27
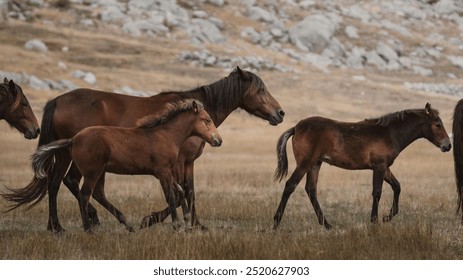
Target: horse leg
378,177
391,180
190,195
185,207
168,187
84,197
311,189
290,186
62,160
71,181
159,217
100,196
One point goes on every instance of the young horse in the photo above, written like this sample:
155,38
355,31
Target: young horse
15,109
149,149
458,153
69,113
370,144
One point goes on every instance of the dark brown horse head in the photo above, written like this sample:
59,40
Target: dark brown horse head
15,109
258,101
204,126
434,129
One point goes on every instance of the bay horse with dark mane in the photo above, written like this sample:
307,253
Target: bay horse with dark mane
149,149
16,110
458,153
69,113
370,144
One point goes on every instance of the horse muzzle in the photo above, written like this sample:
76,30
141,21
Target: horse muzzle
216,141
277,117
445,145
32,133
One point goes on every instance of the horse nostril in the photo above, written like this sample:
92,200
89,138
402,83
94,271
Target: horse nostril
38,131
281,113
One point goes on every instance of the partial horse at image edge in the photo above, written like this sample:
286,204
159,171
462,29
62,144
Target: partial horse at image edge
457,127
16,110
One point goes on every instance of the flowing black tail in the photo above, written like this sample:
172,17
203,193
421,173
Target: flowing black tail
282,168
458,151
37,189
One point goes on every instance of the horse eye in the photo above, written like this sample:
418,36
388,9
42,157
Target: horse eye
439,125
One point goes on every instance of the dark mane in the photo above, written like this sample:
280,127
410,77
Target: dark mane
225,94
171,111
385,120
5,91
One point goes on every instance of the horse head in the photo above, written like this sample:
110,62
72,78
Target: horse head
434,129
258,101
19,114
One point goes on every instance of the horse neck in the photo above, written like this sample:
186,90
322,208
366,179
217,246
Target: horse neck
177,129
219,100
407,131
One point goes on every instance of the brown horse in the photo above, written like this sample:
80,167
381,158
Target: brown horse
458,153
15,109
150,149
69,113
370,144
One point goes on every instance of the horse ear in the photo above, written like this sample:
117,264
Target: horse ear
195,106
12,87
242,73
5,80
428,109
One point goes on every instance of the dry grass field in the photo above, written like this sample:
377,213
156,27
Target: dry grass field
236,196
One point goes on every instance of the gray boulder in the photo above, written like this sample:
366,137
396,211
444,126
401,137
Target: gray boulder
351,32
456,60
356,58
258,13
36,45
447,7
358,12
205,31
112,13
386,52
315,32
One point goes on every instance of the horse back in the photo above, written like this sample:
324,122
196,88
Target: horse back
83,107
119,150
350,145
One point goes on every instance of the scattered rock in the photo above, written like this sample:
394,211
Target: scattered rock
456,60
36,45
88,77
315,32
351,32
205,58
448,89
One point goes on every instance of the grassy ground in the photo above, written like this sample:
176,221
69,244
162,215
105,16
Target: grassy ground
236,199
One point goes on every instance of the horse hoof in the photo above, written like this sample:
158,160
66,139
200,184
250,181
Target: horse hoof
387,219
89,231
58,229
94,221
201,227
176,226
327,226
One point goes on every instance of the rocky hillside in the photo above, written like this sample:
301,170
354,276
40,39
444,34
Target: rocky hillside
421,39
